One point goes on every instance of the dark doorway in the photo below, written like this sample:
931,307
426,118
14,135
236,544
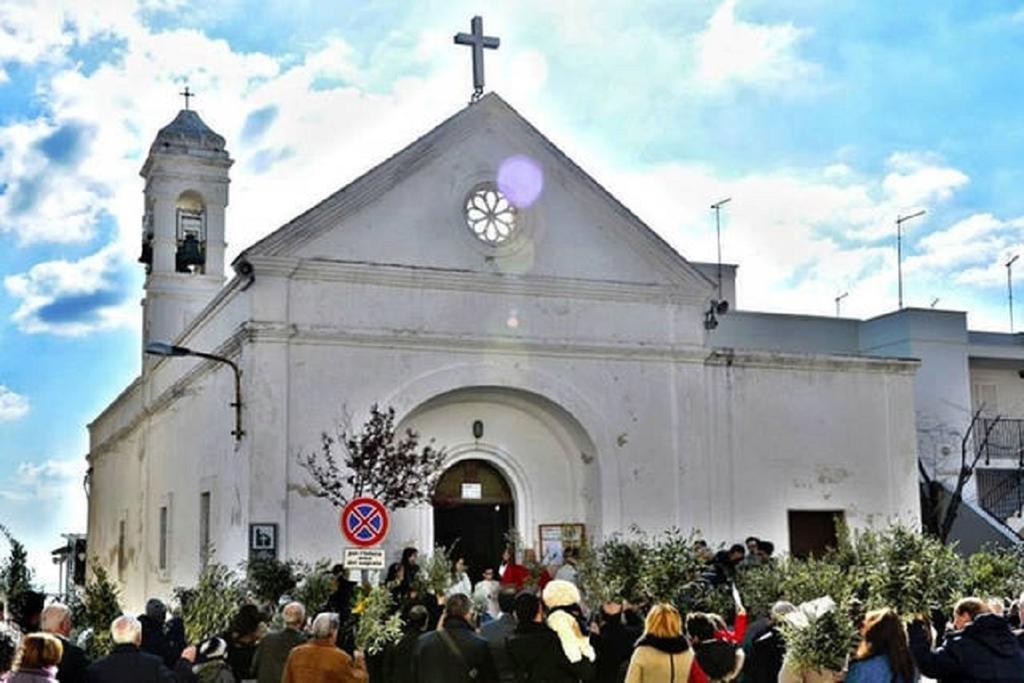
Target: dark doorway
813,532
473,512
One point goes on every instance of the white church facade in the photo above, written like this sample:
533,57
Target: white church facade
510,310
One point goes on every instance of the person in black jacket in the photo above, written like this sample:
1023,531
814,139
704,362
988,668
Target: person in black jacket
984,648
56,620
768,649
128,664
242,637
536,651
398,656
614,643
453,653
154,635
176,640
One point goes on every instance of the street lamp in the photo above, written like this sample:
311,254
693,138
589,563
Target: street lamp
1009,286
168,350
900,220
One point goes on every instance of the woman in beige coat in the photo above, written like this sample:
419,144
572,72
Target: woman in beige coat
662,654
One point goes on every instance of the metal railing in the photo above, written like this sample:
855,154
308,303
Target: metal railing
1005,441
1001,492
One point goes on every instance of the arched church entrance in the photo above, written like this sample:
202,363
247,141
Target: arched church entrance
473,513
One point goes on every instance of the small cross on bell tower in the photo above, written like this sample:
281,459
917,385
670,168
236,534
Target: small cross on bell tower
186,93
478,41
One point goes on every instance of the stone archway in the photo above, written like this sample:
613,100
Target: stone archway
539,450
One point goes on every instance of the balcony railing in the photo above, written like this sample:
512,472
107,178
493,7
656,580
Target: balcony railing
1005,441
1001,492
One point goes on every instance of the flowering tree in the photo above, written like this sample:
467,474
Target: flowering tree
376,462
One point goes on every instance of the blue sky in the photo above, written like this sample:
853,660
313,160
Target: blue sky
823,121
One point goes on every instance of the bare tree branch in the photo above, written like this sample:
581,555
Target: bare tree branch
966,471
376,462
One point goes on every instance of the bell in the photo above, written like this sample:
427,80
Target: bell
190,253
147,253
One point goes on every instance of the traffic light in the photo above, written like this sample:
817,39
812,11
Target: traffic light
78,562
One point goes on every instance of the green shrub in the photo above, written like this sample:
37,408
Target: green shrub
315,585
269,579
995,572
824,643
435,574
101,604
208,609
377,626
910,572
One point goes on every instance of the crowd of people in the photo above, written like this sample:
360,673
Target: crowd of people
520,623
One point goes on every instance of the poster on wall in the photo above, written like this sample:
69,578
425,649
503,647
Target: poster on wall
263,541
555,538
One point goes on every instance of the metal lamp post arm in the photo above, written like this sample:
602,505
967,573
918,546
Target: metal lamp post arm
238,432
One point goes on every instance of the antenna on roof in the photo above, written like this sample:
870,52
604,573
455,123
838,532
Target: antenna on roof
839,300
717,208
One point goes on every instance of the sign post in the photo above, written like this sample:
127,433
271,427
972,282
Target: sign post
364,523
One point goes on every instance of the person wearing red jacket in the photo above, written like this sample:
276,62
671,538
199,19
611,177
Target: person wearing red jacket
717,652
510,573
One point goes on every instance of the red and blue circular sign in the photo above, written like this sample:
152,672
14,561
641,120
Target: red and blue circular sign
364,522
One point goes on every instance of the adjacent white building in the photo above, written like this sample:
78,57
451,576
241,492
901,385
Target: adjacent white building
510,309
962,373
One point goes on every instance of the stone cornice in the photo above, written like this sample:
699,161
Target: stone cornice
816,362
584,349
422,277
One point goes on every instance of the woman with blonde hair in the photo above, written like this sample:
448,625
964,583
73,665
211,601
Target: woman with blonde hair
883,655
662,654
37,659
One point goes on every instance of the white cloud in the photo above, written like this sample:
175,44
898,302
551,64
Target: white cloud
800,236
973,251
916,180
49,197
72,297
732,51
31,30
40,481
13,406
53,486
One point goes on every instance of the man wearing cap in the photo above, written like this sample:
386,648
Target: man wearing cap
212,662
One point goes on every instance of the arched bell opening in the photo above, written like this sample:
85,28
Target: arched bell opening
190,217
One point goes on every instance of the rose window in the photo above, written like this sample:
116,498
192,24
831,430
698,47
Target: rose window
490,215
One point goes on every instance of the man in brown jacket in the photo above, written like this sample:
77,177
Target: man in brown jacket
320,660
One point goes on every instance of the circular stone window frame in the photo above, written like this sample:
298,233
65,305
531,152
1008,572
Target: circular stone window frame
520,236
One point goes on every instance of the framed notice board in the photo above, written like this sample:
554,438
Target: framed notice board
555,538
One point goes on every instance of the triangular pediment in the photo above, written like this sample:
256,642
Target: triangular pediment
409,211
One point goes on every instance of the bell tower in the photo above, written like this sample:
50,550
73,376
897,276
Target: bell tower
186,195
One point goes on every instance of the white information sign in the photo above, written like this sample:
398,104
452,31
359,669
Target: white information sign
472,491
364,558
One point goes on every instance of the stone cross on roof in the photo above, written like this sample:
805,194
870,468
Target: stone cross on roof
478,41
186,93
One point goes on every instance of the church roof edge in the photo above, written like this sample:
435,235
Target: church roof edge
272,243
